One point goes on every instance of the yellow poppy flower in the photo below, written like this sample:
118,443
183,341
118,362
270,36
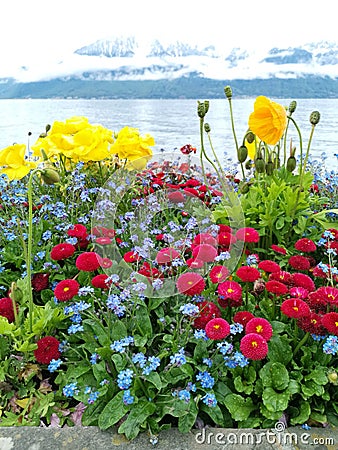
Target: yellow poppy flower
268,120
133,147
13,162
251,146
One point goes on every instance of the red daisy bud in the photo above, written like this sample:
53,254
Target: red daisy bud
217,329
299,262
62,251
260,326
78,230
66,290
99,281
48,349
88,261
190,283
254,346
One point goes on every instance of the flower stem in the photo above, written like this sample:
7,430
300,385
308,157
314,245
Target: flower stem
301,343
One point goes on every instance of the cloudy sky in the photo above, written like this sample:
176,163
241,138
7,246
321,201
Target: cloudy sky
38,30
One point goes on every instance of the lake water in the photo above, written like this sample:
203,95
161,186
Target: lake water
173,123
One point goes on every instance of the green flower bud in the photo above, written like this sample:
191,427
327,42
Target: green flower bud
248,164
242,153
292,107
228,92
333,377
245,188
15,293
50,176
206,106
291,163
207,128
269,167
250,137
48,127
44,155
200,110
260,165
314,117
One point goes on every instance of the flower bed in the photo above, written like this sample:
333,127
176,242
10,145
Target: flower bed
148,292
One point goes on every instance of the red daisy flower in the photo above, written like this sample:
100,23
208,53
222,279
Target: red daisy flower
278,249
330,322
40,281
62,251
6,309
131,256
190,283
299,262
218,274
191,192
230,294
105,263
282,277
299,292
254,346
205,238
295,307
78,230
88,261
207,311
276,287
66,290
303,280
328,294
269,266
305,245
48,349
194,263
260,326
243,317
217,329
204,252
166,255
247,234
99,281
312,324
226,239
248,273
318,272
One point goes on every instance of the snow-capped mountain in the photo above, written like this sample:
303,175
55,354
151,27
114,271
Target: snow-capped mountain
126,58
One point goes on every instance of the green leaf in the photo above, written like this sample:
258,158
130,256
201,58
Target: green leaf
275,401
155,379
280,350
186,422
239,407
242,386
142,321
96,328
5,326
221,390
275,375
137,416
304,414
318,376
273,415
112,412
214,413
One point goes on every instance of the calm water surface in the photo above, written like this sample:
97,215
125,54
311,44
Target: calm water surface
173,123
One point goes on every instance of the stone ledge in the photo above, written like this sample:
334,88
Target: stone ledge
91,438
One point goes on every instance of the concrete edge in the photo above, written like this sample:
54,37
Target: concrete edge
87,438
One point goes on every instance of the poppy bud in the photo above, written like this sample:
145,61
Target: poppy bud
207,128
228,92
206,106
314,117
245,188
242,153
201,110
15,293
269,167
250,137
48,127
291,164
260,165
292,107
50,176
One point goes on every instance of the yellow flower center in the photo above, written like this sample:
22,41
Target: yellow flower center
295,308
254,344
259,328
216,326
66,289
230,291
